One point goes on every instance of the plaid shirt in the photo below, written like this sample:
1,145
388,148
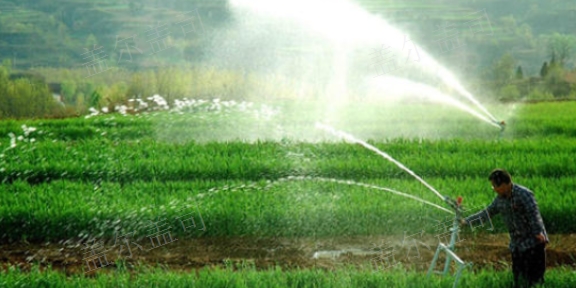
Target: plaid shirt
521,216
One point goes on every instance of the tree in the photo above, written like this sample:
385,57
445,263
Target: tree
509,93
7,65
553,62
4,83
80,103
502,72
94,100
519,73
561,47
556,83
544,70
69,91
86,88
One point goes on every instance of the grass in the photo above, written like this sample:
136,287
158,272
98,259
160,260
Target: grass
245,276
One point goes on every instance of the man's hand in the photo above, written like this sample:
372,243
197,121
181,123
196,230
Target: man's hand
541,238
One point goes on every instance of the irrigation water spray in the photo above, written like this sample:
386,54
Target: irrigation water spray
374,149
370,186
325,54
410,88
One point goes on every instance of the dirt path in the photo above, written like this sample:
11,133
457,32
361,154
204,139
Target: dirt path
288,253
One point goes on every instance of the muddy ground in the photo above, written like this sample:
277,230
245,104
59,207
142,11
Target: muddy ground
380,252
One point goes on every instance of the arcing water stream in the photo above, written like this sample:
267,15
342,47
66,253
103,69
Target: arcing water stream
351,138
349,182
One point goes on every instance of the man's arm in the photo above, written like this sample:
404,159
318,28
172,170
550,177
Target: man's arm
485,214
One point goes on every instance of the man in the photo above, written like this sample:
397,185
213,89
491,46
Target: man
528,236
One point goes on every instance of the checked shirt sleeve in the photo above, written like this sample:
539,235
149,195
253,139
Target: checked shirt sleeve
485,214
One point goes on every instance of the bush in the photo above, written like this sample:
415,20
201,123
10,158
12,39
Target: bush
24,97
538,94
509,93
556,83
69,89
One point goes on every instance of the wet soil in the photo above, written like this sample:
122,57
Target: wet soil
380,252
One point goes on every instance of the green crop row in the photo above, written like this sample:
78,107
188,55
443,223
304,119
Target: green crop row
250,277
125,161
290,207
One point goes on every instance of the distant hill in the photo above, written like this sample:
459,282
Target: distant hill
518,27
64,33
58,33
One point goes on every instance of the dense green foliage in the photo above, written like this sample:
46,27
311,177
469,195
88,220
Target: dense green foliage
24,97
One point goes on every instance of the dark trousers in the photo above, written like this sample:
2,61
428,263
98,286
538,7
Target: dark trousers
529,266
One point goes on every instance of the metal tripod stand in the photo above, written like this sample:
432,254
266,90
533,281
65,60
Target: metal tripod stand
449,250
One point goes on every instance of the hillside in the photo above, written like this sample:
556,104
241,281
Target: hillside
57,33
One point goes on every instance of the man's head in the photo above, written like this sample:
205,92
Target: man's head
501,182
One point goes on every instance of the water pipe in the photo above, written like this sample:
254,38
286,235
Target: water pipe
502,125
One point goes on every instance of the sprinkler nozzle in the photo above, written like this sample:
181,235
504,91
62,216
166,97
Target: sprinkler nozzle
502,125
451,202
455,204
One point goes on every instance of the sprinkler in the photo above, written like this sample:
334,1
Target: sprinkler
502,125
457,206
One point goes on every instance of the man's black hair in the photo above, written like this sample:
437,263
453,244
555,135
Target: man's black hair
499,177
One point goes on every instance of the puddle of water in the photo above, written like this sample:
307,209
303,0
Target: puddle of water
333,254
